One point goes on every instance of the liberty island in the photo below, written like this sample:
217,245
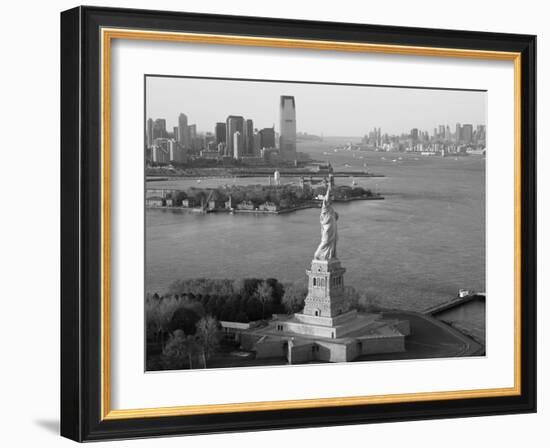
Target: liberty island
327,329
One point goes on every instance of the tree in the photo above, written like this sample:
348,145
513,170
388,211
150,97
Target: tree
352,297
250,286
192,348
278,291
264,292
253,308
158,314
358,191
294,297
185,318
201,197
241,317
180,196
208,336
176,351
368,304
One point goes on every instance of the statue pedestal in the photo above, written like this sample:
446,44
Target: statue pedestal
326,312
326,329
325,296
302,339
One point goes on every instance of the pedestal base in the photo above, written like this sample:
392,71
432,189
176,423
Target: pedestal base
301,340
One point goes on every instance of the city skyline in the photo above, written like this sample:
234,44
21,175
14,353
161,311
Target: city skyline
395,109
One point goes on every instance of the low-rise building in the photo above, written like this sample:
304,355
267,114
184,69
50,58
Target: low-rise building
245,205
216,203
269,207
207,154
154,201
189,202
233,330
253,160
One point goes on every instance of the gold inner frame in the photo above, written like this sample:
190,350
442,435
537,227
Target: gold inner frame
107,35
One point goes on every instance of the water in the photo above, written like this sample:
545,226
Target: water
412,250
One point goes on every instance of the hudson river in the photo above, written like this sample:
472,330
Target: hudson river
412,250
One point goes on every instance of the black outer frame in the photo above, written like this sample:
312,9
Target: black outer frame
80,223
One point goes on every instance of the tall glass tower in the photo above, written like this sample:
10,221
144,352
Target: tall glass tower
287,140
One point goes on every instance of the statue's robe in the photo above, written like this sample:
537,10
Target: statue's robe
329,233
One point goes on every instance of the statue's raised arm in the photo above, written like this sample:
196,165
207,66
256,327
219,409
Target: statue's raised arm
327,195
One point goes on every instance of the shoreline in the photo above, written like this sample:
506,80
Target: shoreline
314,204
151,177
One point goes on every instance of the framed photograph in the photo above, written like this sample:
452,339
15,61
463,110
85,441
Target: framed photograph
276,224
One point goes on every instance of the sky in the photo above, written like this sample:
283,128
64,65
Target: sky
321,109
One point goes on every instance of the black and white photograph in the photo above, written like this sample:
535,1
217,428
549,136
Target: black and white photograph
292,223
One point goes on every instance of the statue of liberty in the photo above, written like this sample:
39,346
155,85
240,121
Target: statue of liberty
329,233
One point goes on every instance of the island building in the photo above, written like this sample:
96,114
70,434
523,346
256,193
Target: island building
287,139
327,329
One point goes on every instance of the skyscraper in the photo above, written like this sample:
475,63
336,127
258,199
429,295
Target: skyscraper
163,150
237,145
448,133
233,123
287,140
183,131
196,141
257,142
414,134
149,139
159,128
458,133
192,131
480,133
220,132
267,138
467,133
249,137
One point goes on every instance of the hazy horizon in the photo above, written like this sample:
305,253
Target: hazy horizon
352,111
